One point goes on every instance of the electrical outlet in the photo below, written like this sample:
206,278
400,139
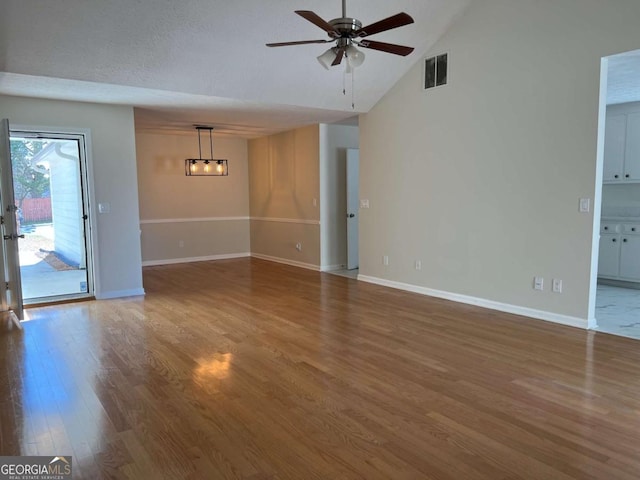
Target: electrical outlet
364,203
181,243
538,283
299,246
418,265
385,260
556,285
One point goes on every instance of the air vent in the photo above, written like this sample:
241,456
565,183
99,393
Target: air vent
435,71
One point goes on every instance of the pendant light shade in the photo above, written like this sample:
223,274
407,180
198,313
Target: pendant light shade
205,167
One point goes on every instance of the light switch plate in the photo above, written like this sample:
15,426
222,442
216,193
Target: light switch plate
104,207
364,203
585,205
556,285
538,283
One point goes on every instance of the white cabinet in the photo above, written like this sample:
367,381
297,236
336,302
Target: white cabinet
609,259
622,148
632,150
630,257
619,257
614,147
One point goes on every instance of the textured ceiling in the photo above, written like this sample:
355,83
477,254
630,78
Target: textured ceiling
624,78
204,61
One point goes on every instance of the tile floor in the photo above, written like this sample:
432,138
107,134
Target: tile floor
346,273
618,311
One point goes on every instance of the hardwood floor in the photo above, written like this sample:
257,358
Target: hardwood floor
249,369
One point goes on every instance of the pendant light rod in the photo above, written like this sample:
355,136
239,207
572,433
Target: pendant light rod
199,128
344,8
211,143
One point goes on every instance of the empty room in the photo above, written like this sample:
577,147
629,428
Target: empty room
320,239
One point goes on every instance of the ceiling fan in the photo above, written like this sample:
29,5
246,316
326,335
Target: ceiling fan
347,32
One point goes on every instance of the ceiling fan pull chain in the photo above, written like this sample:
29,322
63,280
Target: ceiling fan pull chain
353,91
344,82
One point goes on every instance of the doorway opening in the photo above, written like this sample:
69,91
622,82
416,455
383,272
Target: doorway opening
616,297
345,188
339,198
353,206
50,179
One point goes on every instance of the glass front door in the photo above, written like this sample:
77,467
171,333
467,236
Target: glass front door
48,179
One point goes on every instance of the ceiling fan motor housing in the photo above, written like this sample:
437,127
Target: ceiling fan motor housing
346,27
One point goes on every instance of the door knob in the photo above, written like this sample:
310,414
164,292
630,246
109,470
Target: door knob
351,215
13,236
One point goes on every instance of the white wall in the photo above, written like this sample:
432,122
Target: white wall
191,218
117,253
624,195
334,141
481,179
284,181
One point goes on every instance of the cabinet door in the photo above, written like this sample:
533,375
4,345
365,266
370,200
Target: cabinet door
630,257
614,147
609,258
632,152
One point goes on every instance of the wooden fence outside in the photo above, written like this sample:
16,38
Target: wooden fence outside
36,210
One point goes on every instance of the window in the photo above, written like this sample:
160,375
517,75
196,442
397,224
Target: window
435,71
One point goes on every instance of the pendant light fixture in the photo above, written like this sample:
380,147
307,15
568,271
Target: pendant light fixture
205,167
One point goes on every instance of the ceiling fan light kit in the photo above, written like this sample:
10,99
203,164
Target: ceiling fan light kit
355,57
327,57
348,32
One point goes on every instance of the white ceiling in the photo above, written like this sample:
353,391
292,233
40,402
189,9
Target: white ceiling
624,78
204,61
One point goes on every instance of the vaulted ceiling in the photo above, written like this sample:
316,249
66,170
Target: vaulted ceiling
205,61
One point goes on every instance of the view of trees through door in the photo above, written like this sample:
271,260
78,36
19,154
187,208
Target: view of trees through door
48,189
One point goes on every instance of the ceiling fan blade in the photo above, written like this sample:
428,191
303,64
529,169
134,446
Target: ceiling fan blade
394,21
386,47
301,42
317,21
339,55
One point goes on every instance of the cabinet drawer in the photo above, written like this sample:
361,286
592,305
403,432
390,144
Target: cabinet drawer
631,229
610,228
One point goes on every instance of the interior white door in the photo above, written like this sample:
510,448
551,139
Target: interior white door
12,298
353,205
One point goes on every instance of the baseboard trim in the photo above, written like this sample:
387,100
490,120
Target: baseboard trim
481,302
119,294
332,268
207,258
286,261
